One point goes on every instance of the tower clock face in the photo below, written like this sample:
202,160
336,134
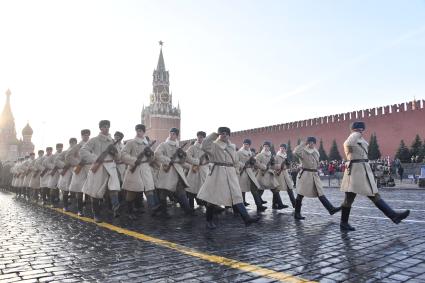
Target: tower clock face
165,97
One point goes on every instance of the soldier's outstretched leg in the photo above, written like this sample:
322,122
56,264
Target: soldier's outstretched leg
183,201
327,204
65,199
209,215
248,220
153,202
257,199
80,205
162,195
129,198
298,204
291,197
113,195
396,217
95,202
191,198
277,201
244,200
345,212
260,194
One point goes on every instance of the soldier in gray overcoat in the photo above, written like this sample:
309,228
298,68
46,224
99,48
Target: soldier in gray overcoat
103,175
309,183
247,180
221,187
358,178
65,173
80,169
198,161
171,177
138,179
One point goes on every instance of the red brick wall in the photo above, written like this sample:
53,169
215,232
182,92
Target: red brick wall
390,123
160,128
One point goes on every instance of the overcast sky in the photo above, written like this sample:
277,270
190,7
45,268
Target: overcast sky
243,64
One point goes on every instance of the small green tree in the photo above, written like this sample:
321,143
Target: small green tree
333,152
322,152
403,153
416,148
373,151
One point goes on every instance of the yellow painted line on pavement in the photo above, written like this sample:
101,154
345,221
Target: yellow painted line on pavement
283,277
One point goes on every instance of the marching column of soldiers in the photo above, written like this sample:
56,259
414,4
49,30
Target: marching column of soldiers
211,172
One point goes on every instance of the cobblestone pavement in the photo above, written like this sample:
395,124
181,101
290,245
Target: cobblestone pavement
38,244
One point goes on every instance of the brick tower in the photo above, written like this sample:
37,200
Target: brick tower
160,115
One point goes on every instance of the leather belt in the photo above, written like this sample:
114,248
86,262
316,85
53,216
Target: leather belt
306,169
225,164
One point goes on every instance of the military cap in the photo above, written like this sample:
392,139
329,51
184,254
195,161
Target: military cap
72,140
49,148
358,125
201,133
59,145
267,143
223,130
119,134
311,139
140,127
32,153
283,145
104,123
247,141
175,130
85,132
41,151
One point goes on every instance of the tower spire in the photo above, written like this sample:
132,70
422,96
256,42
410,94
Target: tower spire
6,117
161,64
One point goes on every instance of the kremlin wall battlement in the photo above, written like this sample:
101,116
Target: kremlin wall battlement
391,124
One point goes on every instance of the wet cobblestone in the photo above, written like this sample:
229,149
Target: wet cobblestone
41,245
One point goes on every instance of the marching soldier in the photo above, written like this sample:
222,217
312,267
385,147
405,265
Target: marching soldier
221,187
44,176
309,183
22,169
247,180
54,174
35,179
65,173
358,178
137,154
27,175
198,171
171,178
80,169
266,175
103,175
118,136
282,175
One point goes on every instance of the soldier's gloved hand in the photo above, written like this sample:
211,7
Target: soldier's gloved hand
148,152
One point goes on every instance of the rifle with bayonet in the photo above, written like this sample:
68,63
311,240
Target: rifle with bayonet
147,151
180,153
270,164
248,164
111,149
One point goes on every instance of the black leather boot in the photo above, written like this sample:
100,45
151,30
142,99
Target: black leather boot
345,214
326,203
245,216
153,203
396,217
298,204
277,201
291,197
65,197
96,210
244,200
258,202
209,215
130,210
